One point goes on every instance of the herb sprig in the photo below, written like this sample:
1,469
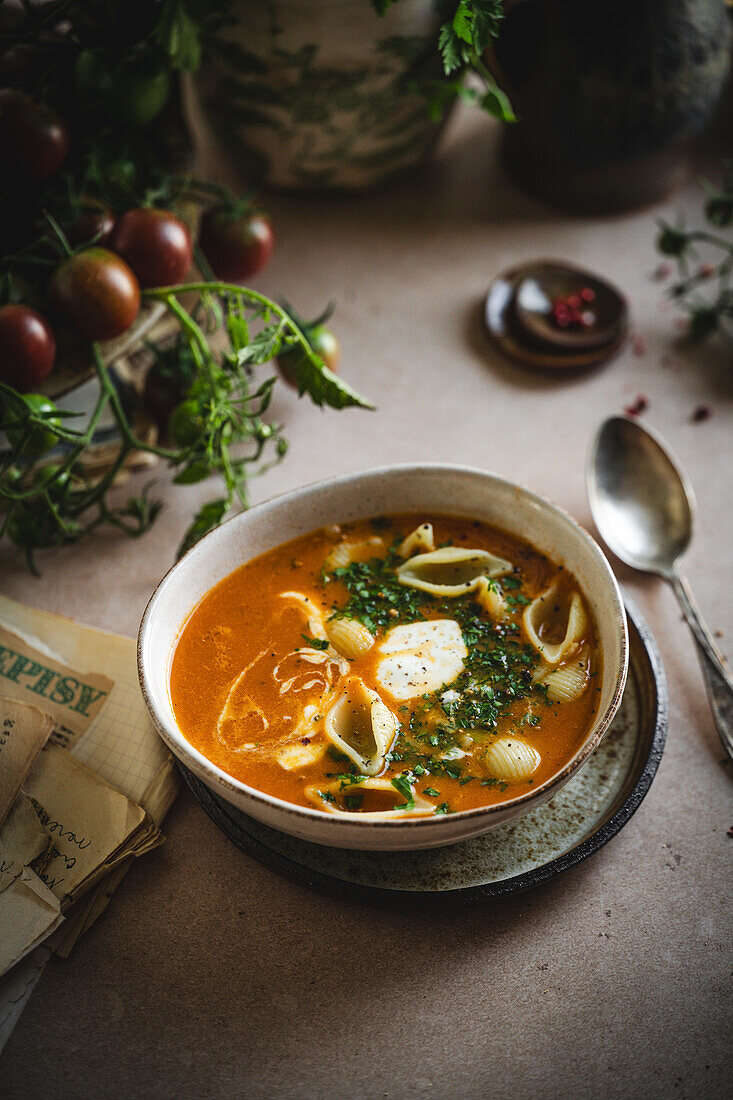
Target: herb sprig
227,432
463,40
704,290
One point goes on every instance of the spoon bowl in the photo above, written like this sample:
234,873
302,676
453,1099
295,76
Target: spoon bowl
641,502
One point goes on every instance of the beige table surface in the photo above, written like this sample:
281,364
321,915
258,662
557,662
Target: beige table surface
212,976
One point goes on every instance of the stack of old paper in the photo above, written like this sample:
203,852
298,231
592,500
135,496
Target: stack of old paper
75,813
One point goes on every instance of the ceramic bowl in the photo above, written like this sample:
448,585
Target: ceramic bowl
455,490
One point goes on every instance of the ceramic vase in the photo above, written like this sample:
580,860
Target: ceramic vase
323,93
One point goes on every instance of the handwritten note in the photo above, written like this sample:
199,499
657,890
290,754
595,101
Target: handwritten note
90,825
29,911
24,731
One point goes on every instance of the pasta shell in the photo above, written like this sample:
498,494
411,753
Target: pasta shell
361,726
349,637
567,682
330,798
344,553
536,614
418,541
510,759
491,599
451,571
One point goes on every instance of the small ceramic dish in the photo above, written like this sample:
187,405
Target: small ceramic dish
455,490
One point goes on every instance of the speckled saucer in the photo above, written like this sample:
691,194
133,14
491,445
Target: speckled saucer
586,813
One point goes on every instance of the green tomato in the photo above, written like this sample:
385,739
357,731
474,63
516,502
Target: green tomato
323,342
140,96
132,94
185,424
11,481
54,479
22,529
34,439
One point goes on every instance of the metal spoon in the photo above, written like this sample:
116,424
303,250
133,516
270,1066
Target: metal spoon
643,507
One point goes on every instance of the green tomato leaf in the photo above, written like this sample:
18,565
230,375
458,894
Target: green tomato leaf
194,472
264,346
208,517
450,49
324,387
463,22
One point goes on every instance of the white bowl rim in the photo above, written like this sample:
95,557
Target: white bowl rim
206,770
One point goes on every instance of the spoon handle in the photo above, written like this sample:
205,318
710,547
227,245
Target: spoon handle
717,678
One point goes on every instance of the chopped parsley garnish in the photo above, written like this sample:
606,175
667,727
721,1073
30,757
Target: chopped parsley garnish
402,784
346,779
500,783
497,671
316,643
443,808
327,796
376,598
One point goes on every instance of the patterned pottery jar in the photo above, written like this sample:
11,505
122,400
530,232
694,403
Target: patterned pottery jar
323,93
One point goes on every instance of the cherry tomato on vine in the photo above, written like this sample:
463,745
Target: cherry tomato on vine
94,222
185,424
34,142
323,342
37,439
156,244
132,93
27,347
96,293
54,479
237,246
11,479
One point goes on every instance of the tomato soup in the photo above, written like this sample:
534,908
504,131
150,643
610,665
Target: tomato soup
396,666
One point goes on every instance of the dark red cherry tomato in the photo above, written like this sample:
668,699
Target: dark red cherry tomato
96,293
94,222
156,245
323,342
27,347
237,247
34,142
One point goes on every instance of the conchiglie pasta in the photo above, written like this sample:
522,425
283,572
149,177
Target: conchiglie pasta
349,637
344,553
419,541
451,571
511,759
360,725
551,614
489,597
567,682
372,798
